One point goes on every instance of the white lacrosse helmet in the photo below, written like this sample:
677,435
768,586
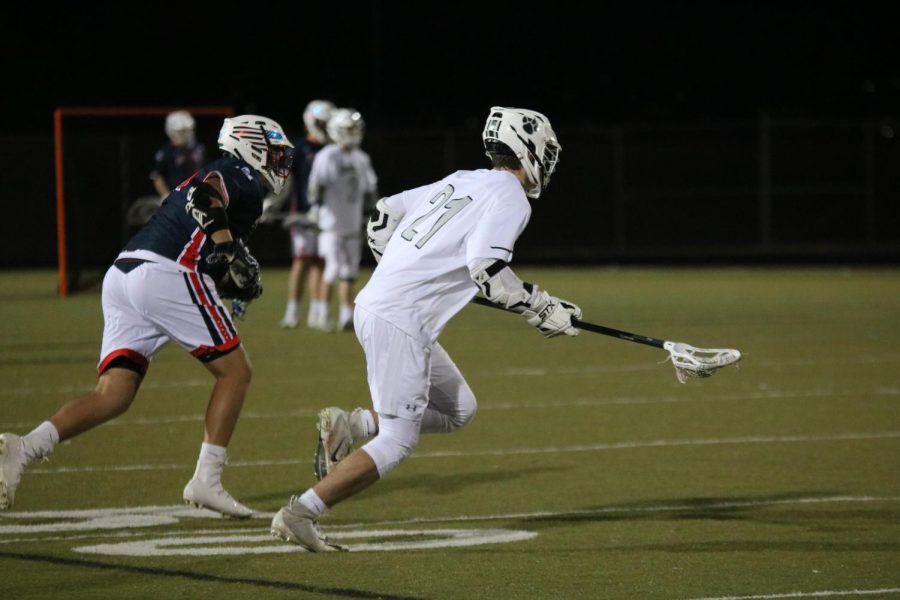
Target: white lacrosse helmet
316,116
261,143
527,135
180,127
346,127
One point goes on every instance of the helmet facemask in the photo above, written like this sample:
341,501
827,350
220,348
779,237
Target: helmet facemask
528,136
261,143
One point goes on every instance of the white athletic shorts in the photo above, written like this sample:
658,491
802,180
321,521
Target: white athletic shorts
153,303
304,242
342,254
403,375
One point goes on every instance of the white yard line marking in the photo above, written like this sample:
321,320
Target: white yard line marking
575,402
79,522
626,445
664,444
511,371
100,520
659,508
822,594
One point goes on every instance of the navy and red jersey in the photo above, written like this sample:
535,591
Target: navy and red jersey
176,163
304,153
174,234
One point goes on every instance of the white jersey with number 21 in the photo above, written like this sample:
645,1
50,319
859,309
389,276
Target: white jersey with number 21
423,277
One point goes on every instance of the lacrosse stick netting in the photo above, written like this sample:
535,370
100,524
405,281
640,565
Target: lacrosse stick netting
690,361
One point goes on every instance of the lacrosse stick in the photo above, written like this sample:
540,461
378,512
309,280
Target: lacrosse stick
239,308
689,361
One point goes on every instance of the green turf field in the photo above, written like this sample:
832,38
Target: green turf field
589,471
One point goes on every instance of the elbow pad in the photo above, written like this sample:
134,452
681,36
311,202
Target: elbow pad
381,227
501,286
211,218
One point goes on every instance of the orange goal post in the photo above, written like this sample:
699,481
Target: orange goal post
65,115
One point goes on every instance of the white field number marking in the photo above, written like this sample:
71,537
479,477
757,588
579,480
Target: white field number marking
218,545
128,521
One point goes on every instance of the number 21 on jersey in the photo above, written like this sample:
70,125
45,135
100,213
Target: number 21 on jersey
441,201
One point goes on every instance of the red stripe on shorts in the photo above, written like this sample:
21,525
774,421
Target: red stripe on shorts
199,351
139,359
209,307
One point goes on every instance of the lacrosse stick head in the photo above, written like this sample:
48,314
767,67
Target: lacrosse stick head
690,361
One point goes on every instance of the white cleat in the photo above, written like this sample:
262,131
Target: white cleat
321,325
206,494
296,524
288,323
335,440
12,463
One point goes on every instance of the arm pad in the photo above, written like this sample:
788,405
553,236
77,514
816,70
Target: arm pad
550,315
380,227
200,207
501,286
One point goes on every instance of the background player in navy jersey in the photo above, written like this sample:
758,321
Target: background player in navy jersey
167,284
180,157
307,263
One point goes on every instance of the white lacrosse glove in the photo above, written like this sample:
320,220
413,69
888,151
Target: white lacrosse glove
552,316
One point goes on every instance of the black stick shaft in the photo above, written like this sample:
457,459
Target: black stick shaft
593,328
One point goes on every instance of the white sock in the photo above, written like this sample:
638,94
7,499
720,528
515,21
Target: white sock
318,310
41,441
290,312
312,502
211,459
346,313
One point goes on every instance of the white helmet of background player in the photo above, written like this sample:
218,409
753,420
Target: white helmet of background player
180,128
316,116
346,127
527,135
261,143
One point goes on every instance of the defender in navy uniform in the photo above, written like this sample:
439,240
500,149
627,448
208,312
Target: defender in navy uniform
181,156
307,263
167,284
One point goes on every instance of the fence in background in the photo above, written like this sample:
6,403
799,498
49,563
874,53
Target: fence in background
764,190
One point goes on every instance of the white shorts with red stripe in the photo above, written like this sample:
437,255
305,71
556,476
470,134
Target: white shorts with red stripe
304,242
155,302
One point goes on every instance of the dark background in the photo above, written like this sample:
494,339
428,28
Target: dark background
702,131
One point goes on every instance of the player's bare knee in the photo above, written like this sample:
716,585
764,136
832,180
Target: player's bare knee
234,366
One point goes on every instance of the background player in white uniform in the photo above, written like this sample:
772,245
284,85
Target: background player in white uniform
342,182
437,246
306,266
165,285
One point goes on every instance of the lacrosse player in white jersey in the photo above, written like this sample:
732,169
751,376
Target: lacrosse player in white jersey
437,246
342,183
